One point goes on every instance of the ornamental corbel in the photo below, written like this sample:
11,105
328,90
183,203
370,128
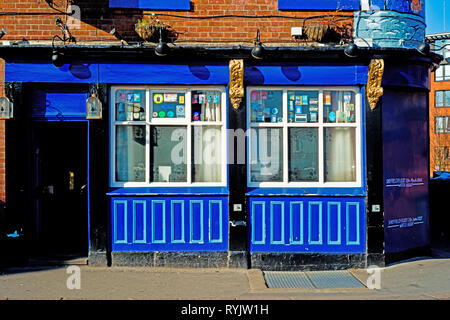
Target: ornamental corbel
374,90
236,82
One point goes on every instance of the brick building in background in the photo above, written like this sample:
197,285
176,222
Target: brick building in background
440,105
119,106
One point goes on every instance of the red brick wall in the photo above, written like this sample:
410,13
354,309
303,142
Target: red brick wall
97,20
438,140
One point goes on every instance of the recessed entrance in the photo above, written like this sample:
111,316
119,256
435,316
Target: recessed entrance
59,182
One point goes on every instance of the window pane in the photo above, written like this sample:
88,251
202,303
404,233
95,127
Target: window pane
206,154
266,106
303,106
130,105
206,105
168,104
439,73
340,154
447,71
447,98
338,106
168,154
266,155
439,98
130,153
439,122
303,154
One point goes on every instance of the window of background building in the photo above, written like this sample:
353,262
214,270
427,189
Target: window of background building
304,137
442,98
168,136
442,124
443,72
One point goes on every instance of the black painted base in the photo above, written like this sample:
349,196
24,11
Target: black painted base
307,261
241,259
408,254
181,259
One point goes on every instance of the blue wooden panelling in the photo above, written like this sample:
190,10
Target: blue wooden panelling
334,223
313,224
120,218
296,218
178,223
215,221
295,74
139,222
151,4
318,4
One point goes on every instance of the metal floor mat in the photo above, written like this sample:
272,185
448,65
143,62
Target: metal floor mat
311,279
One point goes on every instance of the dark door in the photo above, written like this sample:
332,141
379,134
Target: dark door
60,189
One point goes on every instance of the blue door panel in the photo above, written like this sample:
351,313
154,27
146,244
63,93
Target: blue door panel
169,223
309,224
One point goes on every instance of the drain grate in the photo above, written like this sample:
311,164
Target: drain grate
334,279
276,279
311,279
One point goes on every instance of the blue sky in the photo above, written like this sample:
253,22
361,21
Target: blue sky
434,10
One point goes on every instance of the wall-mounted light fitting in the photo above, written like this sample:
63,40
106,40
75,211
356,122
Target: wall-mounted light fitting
6,108
258,49
114,33
423,48
93,107
351,50
3,32
58,55
162,49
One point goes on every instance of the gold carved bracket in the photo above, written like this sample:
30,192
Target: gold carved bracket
236,82
374,90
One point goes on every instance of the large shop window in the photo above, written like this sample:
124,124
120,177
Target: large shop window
168,136
304,137
442,124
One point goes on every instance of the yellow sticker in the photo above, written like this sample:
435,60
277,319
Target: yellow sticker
158,98
181,100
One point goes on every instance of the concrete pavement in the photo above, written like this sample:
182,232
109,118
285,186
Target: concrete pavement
419,278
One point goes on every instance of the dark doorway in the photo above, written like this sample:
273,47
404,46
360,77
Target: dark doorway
59,214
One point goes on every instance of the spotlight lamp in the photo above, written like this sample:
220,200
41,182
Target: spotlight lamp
3,32
423,48
57,58
162,49
351,50
258,49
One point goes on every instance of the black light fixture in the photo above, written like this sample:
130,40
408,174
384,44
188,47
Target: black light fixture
258,49
162,49
423,48
3,32
57,58
114,33
351,50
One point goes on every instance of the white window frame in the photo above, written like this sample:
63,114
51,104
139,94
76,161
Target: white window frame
285,125
182,122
